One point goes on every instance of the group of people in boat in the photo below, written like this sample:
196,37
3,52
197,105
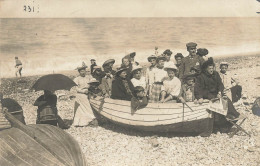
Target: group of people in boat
189,79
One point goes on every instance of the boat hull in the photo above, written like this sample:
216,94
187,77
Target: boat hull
19,148
156,117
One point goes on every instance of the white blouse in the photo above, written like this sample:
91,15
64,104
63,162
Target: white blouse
140,82
172,87
82,83
158,75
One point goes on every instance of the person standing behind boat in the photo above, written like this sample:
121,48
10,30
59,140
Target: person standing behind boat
167,53
122,88
178,58
93,64
191,60
171,86
202,52
149,76
232,89
159,75
47,111
209,86
98,74
18,67
132,59
138,79
109,77
83,113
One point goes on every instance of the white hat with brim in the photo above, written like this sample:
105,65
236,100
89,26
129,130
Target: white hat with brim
136,68
82,66
170,66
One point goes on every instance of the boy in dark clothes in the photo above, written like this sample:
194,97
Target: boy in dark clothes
139,101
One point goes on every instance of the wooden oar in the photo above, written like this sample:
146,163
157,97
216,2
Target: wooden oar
188,107
16,123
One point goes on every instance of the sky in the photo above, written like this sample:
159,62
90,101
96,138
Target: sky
128,8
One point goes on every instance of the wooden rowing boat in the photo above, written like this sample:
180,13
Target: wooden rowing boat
158,117
41,145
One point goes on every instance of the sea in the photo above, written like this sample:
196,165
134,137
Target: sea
54,45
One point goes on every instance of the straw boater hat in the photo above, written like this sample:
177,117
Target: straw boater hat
136,67
223,63
120,69
82,66
151,57
108,62
93,81
170,66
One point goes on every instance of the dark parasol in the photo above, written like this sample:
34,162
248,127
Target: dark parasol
54,82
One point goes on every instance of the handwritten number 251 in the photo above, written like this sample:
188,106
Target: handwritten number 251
28,8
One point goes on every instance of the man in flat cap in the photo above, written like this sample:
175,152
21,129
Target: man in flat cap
191,60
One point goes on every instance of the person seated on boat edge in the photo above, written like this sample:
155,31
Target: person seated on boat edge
13,107
122,88
94,89
159,75
126,63
149,76
171,88
178,58
187,89
139,100
232,88
209,86
98,74
83,113
109,77
138,79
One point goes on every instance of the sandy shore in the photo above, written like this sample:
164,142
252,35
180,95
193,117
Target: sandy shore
113,145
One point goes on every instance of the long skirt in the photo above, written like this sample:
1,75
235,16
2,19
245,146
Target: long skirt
154,97
83,113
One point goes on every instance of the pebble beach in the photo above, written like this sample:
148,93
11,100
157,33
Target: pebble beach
111,145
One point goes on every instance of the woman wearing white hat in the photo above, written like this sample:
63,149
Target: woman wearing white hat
138,79
83,113
171,86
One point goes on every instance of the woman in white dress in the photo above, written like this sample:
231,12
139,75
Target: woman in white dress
83,113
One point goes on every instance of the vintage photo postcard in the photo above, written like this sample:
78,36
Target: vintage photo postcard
120,82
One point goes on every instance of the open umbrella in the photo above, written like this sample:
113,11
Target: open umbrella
54,82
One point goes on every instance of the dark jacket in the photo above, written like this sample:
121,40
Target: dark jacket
92,68
128,71
187,63
207,86
119,90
